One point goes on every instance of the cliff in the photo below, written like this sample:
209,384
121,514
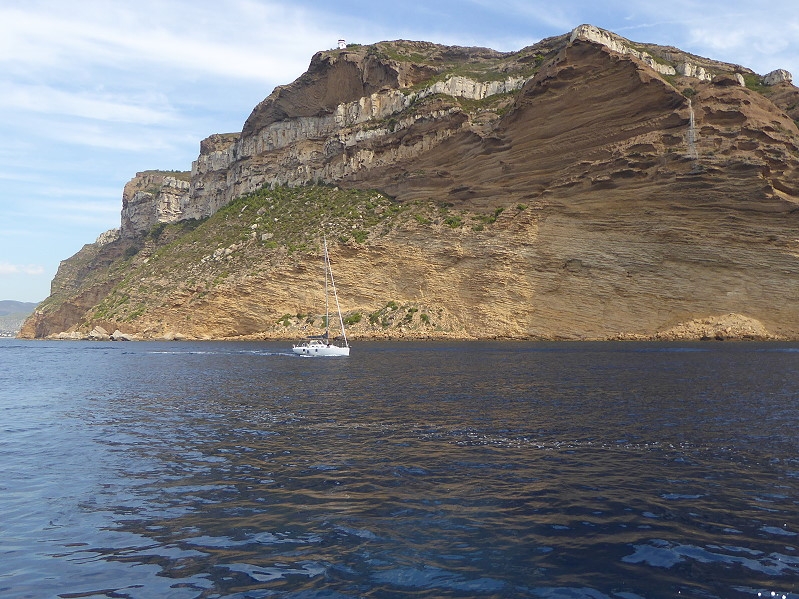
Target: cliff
152,197
586,187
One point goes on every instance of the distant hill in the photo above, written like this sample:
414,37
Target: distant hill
13,314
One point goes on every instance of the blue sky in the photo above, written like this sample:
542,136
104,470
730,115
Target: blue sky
93,91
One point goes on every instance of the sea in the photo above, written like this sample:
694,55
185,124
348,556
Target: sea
621,470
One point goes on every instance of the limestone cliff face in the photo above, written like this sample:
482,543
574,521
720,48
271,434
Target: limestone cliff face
152,197
349,112
585,187
620,45
208,191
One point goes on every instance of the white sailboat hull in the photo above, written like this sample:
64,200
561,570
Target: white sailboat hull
318,348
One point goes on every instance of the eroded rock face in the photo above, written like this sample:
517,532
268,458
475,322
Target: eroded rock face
687,69
149,198
209,189
623,46
108,237
330,146
350,113
729,79
609,224
778,76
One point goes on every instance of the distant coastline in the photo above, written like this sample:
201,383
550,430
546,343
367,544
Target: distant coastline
13,314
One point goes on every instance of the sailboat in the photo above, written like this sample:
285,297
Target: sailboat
322,345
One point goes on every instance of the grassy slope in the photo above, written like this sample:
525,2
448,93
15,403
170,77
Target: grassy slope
252,235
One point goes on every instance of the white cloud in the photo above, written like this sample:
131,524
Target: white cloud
60,208
141,77
97,135
100,214
84,193
253,40
20,269
98,208
17,176
762,44
151,110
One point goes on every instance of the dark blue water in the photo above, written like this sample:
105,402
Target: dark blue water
205,470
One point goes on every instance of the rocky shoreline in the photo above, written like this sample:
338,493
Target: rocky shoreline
727,327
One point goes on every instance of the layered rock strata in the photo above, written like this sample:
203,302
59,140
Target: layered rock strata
596,189
309,131
152,197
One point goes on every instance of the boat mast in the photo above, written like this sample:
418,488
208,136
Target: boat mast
335,294
327,302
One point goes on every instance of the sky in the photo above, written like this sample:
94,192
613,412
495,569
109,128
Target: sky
94,91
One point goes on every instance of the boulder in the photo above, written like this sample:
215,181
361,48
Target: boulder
98,333
65,336
688,69
778,76
118,335
173,336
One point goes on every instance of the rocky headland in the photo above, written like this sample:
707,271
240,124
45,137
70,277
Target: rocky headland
585,187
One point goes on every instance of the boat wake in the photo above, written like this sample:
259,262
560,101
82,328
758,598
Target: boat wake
220,352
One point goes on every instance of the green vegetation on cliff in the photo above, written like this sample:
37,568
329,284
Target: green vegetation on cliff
186,261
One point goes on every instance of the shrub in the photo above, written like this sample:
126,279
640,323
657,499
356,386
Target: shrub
353,319
410,313
422,220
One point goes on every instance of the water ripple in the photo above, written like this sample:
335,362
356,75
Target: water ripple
623,471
